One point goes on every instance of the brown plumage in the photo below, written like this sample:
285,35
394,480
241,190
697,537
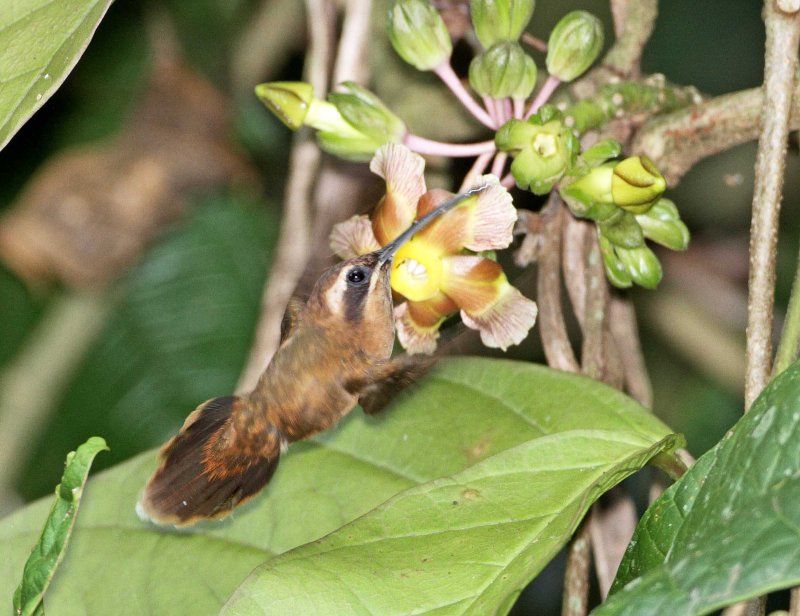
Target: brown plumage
335,352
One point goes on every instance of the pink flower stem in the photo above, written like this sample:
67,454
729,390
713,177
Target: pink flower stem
508,111
478,167
454,150
488,102
534,42
508,181
544,95
519,107
446,73
499,163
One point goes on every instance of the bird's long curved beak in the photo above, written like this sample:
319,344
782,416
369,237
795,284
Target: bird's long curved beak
386,254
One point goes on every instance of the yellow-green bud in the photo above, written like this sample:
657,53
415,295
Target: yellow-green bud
366,113
504,70
547,156
636,184
496,21
663,225
601,151
418,34
622,230
288,100
574,44
589,190
337,136
616,272
642,265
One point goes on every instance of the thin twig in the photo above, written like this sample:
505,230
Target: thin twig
575,601
783,37
595,311
622,323
293,248
613,521
552,328
423,145
448,76
351,54
477,169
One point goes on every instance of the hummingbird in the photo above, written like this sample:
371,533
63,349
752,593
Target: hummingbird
335,352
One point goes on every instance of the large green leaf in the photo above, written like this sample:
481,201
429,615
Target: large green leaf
179,335
49,550
468,410
728,530
40,42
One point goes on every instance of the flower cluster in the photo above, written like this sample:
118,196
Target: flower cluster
625,199
445,268
448,267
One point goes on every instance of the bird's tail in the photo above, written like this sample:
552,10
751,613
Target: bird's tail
221,457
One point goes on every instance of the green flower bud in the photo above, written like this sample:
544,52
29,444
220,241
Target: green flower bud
337,136
418,34
366,113
288,100
591,189
637,184
622,230
663,225
497,21
601,151
504,70
514,135
574,44
642,265
550,152
616,272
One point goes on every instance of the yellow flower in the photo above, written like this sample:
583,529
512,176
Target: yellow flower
439,271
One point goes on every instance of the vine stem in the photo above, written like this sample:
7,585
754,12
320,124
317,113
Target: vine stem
421,145
783,37
448,76
293,244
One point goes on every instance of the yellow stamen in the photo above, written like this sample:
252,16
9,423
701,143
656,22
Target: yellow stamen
417,271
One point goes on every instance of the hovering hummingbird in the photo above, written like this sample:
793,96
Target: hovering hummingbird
335,352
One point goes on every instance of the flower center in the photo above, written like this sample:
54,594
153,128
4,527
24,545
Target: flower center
417,271
545,144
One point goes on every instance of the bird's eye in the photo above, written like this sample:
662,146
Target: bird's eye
356,275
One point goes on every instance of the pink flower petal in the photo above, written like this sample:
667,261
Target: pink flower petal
507,322
488,302
483,222
403,171
353,237
418,322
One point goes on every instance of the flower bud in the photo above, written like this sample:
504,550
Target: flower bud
622,230
367,114
601,151
616,272
663,225
574,44
514,135
288,100
550,152
504,70
642,265
337,136
496,21
418,34
636,184
590,189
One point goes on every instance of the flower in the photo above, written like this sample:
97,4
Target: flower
444,268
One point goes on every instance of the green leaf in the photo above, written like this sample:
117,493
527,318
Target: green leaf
48,552
178,336
468,410
40,43
728,530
